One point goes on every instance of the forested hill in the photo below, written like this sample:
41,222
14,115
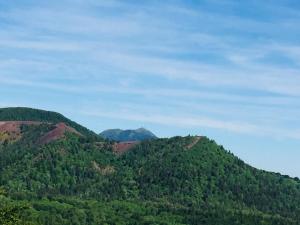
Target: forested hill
29,114
76,180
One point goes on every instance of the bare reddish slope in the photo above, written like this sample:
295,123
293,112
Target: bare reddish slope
57,133
14,126
122,147
11,131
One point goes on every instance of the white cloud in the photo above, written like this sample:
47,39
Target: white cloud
198,122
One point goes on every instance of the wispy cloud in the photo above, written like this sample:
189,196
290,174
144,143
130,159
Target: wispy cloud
40,45
180,94
198,122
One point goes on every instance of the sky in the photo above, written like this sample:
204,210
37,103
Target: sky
225,69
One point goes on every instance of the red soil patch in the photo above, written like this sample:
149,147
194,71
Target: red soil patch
57,133
14,126
11,130
195,141
122,147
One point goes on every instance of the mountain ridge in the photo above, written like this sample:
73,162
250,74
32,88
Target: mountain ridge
180,180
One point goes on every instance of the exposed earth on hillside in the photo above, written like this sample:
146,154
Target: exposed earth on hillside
12,131
122,147
14,126
57,133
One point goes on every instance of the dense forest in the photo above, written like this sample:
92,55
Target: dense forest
79,179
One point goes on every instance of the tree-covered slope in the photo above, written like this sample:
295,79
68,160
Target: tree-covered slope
29,114
69,166
208,174
140,134
180,180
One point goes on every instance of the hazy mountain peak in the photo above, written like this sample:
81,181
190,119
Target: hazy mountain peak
139,134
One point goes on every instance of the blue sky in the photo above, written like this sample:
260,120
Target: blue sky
225,69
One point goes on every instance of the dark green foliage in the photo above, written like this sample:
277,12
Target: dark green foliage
140,134
12,213
64,167
78,180
208,174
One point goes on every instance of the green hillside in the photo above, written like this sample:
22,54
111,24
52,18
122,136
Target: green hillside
29,114
140,134
180,180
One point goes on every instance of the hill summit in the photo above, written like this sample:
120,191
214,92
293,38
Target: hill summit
22,115
140,134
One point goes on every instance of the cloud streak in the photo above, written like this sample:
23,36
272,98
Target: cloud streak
198,122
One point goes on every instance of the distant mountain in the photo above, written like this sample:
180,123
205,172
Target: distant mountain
140,134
